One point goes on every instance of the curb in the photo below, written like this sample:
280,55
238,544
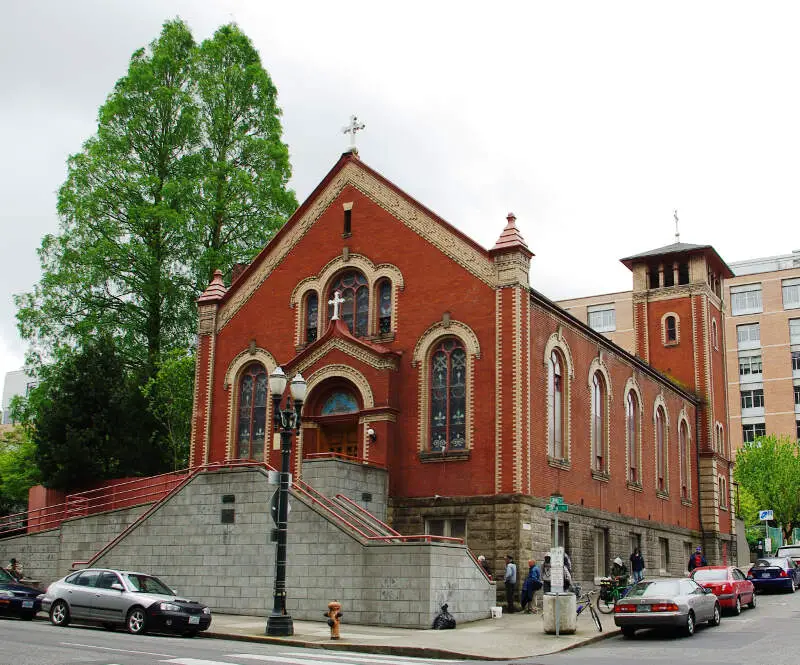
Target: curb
387,650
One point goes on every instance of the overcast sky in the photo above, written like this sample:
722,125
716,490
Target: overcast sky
591,121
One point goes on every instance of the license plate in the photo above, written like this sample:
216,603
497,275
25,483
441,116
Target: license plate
766,574
27,604
194,619
642,608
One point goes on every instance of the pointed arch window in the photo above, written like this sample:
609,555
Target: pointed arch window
683,453
354,311
384,293
599,422
252,413
312,315
448,396
661,443
632,425
556,406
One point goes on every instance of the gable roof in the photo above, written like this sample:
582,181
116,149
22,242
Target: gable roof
350,170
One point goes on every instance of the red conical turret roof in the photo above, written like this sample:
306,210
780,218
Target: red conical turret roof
511,238
215,290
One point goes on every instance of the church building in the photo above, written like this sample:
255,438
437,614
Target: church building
434,358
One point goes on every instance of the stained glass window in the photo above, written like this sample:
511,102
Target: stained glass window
448,396
632,422
339,403
661,442
556,415
683,442
598,420
312,311
251,429
355,309
385,307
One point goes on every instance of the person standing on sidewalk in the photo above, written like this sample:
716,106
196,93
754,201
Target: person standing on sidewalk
637,565
510,579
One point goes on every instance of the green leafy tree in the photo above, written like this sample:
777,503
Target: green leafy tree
90,421
18,469
169,394
242,166
186,174
769,469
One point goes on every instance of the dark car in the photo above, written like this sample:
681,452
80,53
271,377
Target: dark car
17,598
112,598
775,573
676,603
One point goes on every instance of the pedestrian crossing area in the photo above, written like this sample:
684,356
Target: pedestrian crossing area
300,658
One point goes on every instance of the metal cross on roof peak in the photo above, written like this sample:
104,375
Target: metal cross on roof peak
677,233
352,128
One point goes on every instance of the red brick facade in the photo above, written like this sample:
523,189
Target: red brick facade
446,287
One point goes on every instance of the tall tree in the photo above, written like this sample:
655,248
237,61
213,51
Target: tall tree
187,173
18,470
90,420
241,195
769,468
116,265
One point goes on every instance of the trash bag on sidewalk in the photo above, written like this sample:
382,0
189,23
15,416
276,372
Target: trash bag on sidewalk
444,619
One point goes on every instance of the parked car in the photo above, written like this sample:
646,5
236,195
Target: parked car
790,551
112,598
679,603
775,573
729,584
18,598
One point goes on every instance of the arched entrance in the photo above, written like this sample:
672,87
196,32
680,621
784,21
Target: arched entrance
334,407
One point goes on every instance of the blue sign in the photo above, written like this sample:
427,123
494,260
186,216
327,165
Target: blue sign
765,515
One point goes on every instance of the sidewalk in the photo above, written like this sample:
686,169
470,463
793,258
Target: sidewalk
510,636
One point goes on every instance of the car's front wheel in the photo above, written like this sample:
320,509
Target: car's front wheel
59,613
716,615
136,621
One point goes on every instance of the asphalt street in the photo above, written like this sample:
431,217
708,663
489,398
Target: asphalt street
765,635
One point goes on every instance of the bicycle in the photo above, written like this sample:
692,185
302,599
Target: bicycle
585,601
610,592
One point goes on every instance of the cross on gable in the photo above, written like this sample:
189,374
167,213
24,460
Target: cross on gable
352,128
337,300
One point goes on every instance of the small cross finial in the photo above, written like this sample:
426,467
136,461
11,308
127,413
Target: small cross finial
336,301
352,128
677,233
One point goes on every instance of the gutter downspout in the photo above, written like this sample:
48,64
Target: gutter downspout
697,459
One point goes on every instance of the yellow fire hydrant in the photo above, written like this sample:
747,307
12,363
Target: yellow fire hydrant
334,615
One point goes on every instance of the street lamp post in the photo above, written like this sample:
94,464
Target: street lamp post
287,421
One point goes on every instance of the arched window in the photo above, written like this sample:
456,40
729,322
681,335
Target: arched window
671,332
683,444
661,443
723,492
252,412
448,396
632,425
599,422
714,334
355,310
556,417
384,293
312,313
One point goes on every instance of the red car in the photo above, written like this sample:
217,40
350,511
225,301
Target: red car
729,584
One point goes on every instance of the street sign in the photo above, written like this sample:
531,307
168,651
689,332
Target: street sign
765,515
556,508
557,569
273,506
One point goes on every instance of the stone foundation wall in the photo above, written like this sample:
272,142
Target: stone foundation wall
366,485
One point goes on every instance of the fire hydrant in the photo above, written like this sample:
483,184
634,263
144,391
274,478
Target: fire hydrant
334,615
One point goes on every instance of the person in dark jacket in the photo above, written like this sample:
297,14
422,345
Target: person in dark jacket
532,583
697,559
485,565
637,565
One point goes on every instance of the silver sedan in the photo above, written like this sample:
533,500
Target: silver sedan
114,598
677,602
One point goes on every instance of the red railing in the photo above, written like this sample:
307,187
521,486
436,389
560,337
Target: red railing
361,509
347,458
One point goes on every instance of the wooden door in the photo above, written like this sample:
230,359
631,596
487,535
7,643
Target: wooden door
341,439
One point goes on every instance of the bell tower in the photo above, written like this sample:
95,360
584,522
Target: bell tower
678,321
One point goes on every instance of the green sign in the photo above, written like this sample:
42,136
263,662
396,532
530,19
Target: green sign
557,508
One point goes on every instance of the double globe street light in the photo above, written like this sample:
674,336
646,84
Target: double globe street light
287,422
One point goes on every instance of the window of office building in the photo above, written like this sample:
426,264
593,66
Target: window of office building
749,367
797,396
748,336
451,527
602,318
796,361
746,299
753,399
663,552
791,293
751,431
600,552
794,331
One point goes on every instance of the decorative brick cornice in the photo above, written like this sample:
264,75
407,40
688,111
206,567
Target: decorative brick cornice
343,371
446,329
379,362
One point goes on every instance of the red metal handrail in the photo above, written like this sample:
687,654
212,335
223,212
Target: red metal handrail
347,458
360,508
